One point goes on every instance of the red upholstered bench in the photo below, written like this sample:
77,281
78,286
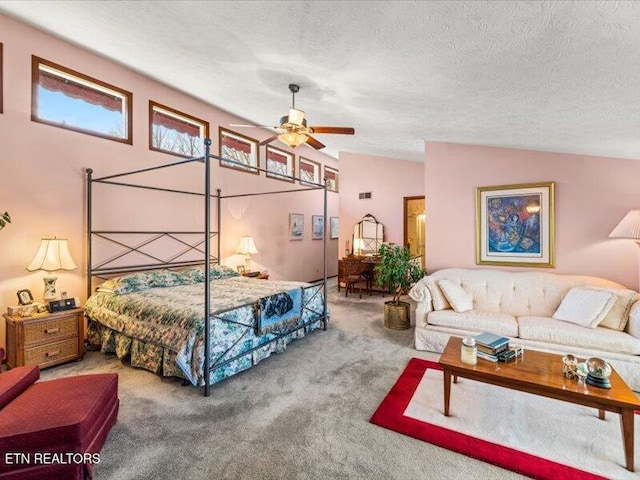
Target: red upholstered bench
48,430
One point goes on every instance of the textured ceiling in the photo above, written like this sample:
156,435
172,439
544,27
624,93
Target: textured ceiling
554,76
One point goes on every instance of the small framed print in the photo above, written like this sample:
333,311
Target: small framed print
242,151
296,226
25,297
241,269
317,222
309,172
334,228
280,164
331,176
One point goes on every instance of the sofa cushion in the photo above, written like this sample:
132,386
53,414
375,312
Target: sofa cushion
476,320
16,381
545,329
585,307
618,316
459,300
61,415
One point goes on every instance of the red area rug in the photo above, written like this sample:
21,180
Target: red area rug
390,414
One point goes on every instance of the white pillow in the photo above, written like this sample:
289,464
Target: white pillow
618,316
437,297
585,307
459,299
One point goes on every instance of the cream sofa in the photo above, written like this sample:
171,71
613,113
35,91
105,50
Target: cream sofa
520,305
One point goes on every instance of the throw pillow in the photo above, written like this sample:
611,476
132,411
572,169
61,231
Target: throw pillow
437,297
459,299
618,316
585,307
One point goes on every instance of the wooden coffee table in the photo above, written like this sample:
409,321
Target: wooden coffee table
541,374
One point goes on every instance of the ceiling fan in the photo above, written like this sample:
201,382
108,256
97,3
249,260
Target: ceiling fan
293,129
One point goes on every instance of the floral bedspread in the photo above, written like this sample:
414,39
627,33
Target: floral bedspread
172,319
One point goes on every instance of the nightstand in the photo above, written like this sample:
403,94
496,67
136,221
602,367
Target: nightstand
45,339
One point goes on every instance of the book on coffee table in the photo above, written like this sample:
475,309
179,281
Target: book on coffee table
492,341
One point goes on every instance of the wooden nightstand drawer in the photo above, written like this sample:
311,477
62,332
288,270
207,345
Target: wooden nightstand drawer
50,330
52,353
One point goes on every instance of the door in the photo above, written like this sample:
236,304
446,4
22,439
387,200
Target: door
414,226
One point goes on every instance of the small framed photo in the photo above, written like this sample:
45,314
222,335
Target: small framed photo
334,229
241,269
280,164
25,297
296,226
242,151
318,227
309,172
331,175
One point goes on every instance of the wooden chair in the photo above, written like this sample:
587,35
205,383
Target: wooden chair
351,273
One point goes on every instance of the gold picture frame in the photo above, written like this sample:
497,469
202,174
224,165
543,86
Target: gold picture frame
515,225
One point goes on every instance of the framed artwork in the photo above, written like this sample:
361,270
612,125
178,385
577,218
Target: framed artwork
317,227
296,226
515,225
309,172
331,174
334,228
280,164
240,149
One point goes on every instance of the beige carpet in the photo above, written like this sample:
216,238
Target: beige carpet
303,414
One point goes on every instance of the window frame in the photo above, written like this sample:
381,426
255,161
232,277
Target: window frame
173,111
35,83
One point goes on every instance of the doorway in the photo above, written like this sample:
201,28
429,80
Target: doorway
414,227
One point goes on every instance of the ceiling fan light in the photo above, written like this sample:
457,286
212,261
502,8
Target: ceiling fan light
293,139
296,117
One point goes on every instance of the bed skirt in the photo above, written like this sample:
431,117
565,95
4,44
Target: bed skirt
162,361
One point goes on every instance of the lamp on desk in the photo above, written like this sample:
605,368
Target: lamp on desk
629,227
53,255
247,247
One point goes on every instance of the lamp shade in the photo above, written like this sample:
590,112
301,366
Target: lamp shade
629,226
52,255
247,246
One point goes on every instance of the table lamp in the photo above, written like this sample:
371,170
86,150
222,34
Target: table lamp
247,247
629,227
53,255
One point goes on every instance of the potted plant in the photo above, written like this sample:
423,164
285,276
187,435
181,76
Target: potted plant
4,219
397,272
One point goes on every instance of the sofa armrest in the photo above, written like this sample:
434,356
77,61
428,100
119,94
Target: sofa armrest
420,292
633,326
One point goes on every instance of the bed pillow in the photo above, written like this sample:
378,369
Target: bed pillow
457,297
137,282
196,274
618,316
585,307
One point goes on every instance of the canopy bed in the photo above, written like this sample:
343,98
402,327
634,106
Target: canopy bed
175,315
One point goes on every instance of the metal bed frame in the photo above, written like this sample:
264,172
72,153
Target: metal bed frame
109,267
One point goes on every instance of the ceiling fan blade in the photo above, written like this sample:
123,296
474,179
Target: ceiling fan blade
251,126
268,140
338,130
315,143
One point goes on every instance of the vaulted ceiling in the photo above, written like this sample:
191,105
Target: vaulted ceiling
553,76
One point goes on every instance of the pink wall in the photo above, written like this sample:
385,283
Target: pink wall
43,187
592,195
388,180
